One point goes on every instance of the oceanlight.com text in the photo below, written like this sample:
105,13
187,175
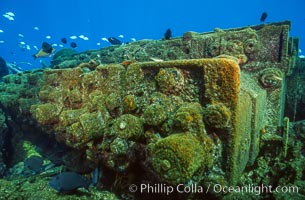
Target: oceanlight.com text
255,189
216,188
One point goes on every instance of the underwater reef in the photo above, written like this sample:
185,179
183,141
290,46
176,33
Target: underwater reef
178,118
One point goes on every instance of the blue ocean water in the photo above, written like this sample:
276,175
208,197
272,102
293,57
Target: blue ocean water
24,25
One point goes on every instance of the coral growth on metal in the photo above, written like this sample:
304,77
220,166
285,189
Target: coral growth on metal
201,103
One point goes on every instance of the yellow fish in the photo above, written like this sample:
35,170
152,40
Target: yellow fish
45,51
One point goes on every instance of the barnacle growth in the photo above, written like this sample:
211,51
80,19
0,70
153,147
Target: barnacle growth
217,115
178,157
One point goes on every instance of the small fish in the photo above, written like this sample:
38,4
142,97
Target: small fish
69,181
73,37
95,176
126,63
73,45
1,41
45,51
121,36
85,38
98,43
36,28
22,45
1,31
20,35
9,17
81,36
264,16
64,40
168,34
34,163
10,14
133,39
14,68
6,15
104,39
114,41
156,59
48,37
